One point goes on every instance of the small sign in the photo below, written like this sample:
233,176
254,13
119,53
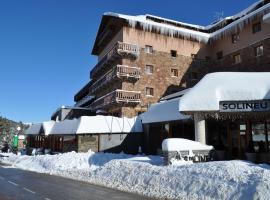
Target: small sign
244,106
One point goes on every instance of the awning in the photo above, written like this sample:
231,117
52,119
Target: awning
163,112
225,87
34,129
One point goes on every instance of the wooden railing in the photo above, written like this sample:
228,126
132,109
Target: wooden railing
84,100
117,71
117,96
119,49
127,71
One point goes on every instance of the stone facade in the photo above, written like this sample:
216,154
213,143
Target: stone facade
192,62
86,142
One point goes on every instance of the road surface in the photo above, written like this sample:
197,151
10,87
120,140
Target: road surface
16,184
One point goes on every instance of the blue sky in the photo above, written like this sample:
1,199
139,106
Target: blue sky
45,46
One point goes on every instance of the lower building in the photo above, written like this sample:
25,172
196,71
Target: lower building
98,133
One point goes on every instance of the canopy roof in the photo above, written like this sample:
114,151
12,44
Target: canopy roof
225,86
163,112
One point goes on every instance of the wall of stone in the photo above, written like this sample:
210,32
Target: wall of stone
86,142
164,43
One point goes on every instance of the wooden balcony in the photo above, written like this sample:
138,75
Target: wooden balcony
117,97
119,50
84,101
119,71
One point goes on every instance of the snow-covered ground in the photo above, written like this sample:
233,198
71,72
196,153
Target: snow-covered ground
147,176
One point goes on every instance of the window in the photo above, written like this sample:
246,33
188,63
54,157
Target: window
219,55
194,56
173,53
174,72
235,38
259,137
149,91
256,27
149,69
194,75
258,50
237,59
148,49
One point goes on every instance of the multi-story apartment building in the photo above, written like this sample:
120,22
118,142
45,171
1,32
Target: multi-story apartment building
143,58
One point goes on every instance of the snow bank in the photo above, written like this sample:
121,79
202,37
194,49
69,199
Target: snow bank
179,144
225,86
145,175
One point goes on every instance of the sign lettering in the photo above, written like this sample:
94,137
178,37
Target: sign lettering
244,106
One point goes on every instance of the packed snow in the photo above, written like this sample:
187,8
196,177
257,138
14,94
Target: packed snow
163,112
180,144
226,86
241,20
147,176
88,125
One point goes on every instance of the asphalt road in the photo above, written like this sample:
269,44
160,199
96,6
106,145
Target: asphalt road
16,184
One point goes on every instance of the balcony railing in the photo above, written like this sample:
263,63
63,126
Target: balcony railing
117,96
117,71
119,49
127,71
84,100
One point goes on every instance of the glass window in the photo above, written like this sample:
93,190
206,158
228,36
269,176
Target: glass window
173,53
235,38
256,27
237,59
174,72
243,129
258,50
148,49
149,91
149,69
219,55
259,137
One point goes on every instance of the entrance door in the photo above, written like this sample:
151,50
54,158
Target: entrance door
237,139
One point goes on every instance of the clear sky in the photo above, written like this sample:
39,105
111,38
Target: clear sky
45,46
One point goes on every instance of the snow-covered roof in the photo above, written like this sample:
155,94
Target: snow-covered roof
190,31
65,127
175,95
97,124
163,112
149,25
108,124
34,129
47,127
180,144
225,86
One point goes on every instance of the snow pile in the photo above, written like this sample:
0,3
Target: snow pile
145,175
225,86
179,144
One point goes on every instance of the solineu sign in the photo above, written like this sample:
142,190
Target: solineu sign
244,106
